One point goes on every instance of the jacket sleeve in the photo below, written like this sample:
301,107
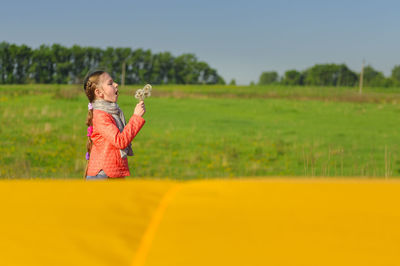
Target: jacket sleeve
106,127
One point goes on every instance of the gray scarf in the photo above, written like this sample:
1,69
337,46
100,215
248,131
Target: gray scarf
114,110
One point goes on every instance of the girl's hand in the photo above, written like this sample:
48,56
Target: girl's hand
140,109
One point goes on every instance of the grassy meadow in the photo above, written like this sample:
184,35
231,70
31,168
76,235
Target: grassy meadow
210,131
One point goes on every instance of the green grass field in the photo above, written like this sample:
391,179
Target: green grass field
210,131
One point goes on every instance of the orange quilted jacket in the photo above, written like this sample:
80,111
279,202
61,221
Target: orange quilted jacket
107,141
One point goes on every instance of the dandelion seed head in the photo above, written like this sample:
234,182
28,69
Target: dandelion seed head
143,93
147,88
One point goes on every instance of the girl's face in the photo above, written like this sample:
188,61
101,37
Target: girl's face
108,89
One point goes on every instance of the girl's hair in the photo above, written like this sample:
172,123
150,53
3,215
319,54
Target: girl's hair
90,83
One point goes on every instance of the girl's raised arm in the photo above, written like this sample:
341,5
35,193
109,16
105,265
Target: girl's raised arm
104,124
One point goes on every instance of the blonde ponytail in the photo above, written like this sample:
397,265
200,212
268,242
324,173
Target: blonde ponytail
89,85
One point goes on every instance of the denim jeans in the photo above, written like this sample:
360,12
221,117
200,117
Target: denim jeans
99,176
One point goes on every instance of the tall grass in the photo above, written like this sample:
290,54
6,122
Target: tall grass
208,131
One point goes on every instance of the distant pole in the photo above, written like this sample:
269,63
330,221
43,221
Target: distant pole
123,74
361,77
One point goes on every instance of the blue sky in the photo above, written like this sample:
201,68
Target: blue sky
241,39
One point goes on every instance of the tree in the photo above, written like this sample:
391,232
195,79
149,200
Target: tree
219,79
3,61
292,77
268,78
78,67
135,64
147,67
59,64
42,68
113,59
185,69
396,75
233,82
93,58
164,64
374,78
190,71
61,57
345,77
330,75
7,62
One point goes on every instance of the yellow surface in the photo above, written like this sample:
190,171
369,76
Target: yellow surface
58,223
215,222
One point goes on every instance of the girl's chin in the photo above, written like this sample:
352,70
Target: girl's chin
112,100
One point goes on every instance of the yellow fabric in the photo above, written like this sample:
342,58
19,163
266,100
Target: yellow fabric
71,223
209,222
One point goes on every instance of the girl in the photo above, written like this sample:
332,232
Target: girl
109,136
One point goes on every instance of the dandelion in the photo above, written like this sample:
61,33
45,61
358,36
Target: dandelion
143,93
139,94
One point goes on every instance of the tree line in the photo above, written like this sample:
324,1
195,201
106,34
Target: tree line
332,75
59,64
